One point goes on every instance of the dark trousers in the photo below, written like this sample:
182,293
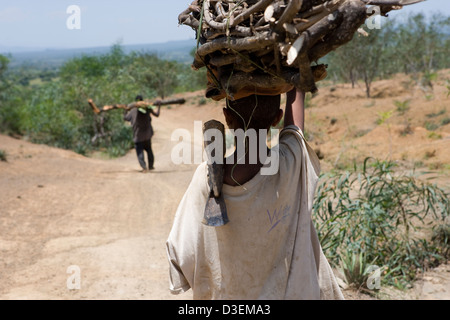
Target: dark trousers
140,147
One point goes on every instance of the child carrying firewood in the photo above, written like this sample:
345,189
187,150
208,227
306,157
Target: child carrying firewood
269,249
142,132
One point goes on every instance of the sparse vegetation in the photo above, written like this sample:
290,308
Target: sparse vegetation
3,156
402,106
436,114
430,154
202,101
370,104
370,216
448,87
381,54
431,126
384,116
429,97
406,129
434,136
54,110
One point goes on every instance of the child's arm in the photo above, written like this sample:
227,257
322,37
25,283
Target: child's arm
156,114
126,115
295,109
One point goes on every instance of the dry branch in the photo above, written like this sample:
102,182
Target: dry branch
267,45
138,104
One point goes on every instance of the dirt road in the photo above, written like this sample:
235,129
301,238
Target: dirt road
59,209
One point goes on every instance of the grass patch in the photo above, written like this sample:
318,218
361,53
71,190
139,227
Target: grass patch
434,136
369,217
431,126
402,106
436,114
445,121
3,156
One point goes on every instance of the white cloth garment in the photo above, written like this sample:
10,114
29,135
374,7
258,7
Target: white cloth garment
269,249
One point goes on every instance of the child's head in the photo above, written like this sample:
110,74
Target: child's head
255,111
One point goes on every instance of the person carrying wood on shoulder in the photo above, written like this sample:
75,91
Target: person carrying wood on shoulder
142,132
269,249
139,114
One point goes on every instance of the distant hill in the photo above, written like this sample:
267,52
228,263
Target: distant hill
172,50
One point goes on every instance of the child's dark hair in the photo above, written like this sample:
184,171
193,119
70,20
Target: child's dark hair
257,111
139,98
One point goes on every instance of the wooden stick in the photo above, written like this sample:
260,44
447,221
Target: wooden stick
137,104
327,8
207,16
169,101
221,13
354,15
94,106
318,9
259,6
237,44
289,13
186,16
308,38
391,2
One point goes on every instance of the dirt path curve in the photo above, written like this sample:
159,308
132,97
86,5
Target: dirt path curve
59,209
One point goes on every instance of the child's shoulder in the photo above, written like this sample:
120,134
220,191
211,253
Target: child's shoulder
292,130
292,136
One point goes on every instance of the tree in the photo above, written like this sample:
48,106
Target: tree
4,61
365,57
10,97
371,53
413,45
421,44
155,73
342,62
360,59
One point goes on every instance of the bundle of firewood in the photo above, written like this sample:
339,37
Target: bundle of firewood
269,46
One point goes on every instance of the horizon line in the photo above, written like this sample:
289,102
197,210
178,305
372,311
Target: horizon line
5,49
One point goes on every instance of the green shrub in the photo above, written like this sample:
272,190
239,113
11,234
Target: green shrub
3,155
57,113
374,213
431,126
402,106
46,119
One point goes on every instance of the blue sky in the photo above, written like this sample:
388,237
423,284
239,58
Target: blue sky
42,24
